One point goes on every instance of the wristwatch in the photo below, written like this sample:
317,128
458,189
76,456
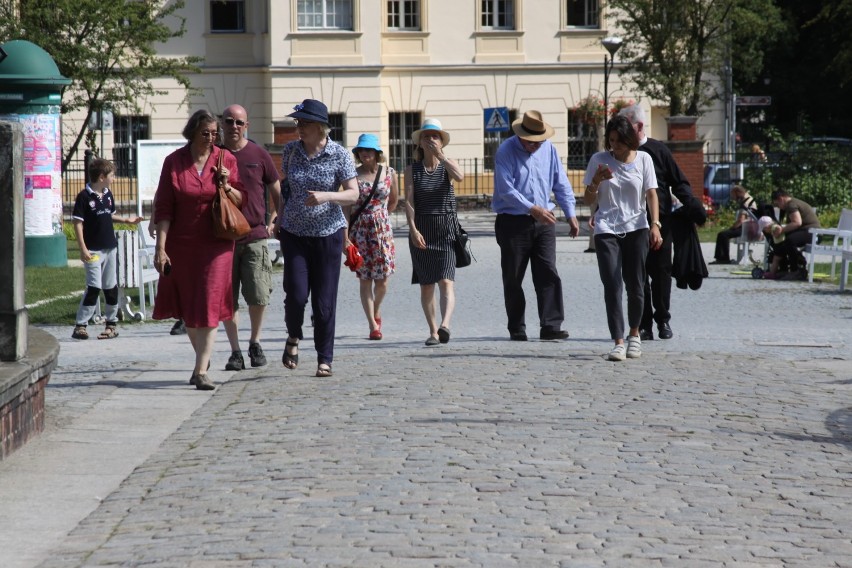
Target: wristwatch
658,224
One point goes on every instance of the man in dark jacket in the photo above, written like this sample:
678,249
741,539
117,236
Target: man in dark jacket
670,180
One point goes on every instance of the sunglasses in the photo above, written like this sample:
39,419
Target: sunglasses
232,121
209,133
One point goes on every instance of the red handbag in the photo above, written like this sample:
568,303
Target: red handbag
228,221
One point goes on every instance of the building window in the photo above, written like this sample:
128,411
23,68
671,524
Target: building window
583,14
498,14
404,15
492,141
325,14
401,150
127,130
227,16
582,140
337,123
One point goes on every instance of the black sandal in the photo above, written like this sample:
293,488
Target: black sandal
291,360
324,370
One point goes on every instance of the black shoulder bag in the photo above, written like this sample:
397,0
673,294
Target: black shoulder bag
464,254
354,216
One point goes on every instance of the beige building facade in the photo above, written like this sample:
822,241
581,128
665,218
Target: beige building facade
382,66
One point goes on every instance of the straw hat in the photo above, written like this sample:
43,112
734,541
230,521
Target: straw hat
434,125
532,127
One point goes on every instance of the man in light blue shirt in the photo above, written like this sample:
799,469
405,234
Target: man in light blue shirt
527,170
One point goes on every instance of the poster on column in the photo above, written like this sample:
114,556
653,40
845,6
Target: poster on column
42,173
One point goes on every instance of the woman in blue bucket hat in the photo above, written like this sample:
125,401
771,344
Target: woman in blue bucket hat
311,228
371,231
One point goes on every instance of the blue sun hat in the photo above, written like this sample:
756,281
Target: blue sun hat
310,109
367,142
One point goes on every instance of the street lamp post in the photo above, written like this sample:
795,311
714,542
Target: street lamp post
611,44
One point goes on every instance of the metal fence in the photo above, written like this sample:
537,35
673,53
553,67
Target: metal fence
75,177
818,174
478,182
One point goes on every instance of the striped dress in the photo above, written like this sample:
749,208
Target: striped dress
435,218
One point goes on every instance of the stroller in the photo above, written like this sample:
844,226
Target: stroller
752,233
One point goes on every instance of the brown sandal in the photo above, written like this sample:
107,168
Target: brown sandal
324,370
80,332
109,332
290,360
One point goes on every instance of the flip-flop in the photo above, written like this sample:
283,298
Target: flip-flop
443,334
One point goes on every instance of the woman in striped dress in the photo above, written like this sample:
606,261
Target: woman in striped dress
430,206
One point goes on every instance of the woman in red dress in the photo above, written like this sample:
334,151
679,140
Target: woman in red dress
194,265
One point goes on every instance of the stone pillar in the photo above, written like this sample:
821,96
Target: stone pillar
13,311
27,356
688,151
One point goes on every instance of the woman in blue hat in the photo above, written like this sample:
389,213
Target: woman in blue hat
370,231
311,228
430,206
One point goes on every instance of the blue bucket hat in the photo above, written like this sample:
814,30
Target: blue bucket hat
311,109
367,142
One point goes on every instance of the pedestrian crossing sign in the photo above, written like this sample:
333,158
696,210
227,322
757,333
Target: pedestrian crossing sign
497,119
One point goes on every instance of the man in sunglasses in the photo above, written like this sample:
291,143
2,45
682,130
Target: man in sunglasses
252,266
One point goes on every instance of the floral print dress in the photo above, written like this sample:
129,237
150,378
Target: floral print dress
371,233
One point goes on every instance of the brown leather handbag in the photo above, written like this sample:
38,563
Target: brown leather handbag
228,221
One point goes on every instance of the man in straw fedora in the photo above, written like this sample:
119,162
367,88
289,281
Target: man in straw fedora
527,169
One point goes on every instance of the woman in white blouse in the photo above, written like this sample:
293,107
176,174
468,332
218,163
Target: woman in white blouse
621,189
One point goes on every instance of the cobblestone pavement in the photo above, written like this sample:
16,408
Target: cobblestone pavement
729,445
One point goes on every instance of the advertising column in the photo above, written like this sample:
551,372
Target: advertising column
30,95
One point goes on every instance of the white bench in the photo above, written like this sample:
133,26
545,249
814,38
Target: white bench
846,258
136,269
841,240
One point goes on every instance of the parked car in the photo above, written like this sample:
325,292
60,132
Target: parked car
718,179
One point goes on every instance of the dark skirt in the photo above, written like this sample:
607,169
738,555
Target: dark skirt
438,260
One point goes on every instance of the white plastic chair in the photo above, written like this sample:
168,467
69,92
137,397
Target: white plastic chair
841,240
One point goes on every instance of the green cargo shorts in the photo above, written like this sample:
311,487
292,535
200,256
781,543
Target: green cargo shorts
252,273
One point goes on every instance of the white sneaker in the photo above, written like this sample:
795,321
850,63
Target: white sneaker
617,353
634,347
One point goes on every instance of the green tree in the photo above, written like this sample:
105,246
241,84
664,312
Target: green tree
676,50
106,47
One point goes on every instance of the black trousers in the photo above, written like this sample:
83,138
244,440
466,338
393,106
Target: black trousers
789,250
524,242
723,240
658,282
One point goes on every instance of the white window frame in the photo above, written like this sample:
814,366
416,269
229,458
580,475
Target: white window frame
591,14
490,11
239,27
324,10
402,10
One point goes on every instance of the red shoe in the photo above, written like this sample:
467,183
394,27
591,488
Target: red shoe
375,334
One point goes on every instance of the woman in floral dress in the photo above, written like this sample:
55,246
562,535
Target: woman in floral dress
371,231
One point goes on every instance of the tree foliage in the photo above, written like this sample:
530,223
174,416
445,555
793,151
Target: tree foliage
677,50
106,47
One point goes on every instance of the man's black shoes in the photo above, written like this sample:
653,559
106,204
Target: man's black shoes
646,335
549,334
664,331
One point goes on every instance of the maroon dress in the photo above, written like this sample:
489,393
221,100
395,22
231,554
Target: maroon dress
198,288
